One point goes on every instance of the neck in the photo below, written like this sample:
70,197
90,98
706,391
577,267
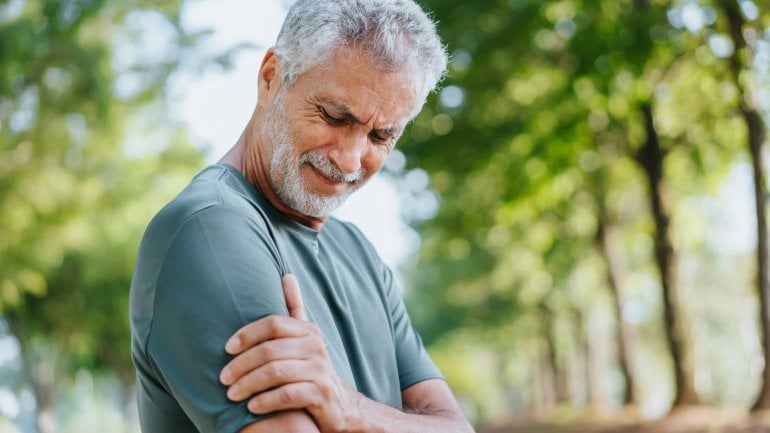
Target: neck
248,157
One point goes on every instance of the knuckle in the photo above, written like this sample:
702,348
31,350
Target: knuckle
324,392
273,324
314,329
318,346
269,350
313,397
287,396
276,370
319,366
249,356
314,403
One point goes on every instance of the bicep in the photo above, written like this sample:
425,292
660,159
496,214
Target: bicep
295,421
211,283
431,397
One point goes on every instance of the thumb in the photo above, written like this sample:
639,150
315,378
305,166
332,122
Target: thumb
293,297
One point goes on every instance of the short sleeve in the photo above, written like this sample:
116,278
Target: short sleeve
414,363
220,272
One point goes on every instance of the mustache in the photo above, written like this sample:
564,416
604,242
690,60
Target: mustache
330,170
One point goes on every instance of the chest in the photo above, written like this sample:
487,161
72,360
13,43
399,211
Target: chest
343,296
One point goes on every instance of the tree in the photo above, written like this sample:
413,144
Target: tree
651,157
556,116
740,61
608,243
73,101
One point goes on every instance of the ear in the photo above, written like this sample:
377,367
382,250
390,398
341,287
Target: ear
269,78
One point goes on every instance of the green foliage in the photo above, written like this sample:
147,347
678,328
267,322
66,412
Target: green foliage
73,101
542,142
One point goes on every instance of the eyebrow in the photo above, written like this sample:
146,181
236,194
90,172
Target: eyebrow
343,111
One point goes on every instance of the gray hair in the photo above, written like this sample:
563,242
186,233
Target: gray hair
396,34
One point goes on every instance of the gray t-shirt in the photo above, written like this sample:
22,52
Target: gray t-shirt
211,261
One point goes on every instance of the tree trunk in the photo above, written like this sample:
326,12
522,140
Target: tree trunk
560,372
650,157
595,369
542,390
578,371
550,369
581,385
609,245
756,140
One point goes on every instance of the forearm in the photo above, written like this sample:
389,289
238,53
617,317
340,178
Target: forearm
281,363
380,418
294,421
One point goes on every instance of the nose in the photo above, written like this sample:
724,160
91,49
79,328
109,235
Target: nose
349,152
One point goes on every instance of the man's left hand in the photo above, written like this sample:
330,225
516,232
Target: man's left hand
282,363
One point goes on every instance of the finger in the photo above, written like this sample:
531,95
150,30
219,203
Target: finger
293,297
295,395
267,328
261,354
272,375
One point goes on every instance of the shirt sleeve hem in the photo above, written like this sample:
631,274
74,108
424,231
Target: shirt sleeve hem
411,381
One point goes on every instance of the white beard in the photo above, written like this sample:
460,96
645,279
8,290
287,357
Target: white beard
285,176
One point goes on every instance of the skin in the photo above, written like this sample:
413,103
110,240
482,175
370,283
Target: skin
352,113
348,111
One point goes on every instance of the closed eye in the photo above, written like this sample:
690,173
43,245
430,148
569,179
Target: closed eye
378,138
384,136
332,120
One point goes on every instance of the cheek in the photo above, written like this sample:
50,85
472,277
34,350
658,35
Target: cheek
312,136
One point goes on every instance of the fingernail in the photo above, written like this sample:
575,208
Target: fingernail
226,376
233,344
232,392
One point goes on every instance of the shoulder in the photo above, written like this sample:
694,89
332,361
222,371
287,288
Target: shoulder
211,230
216,196
212,187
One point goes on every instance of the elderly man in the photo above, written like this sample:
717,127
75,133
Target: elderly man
251,309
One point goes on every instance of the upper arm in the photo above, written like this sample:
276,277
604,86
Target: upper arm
295,421
431,397
217,276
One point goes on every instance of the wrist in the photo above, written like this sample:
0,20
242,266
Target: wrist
358,421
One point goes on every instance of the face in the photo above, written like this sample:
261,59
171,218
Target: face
326,135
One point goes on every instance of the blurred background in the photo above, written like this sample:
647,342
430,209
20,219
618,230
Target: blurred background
579,215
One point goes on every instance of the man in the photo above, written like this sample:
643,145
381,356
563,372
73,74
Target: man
246,261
